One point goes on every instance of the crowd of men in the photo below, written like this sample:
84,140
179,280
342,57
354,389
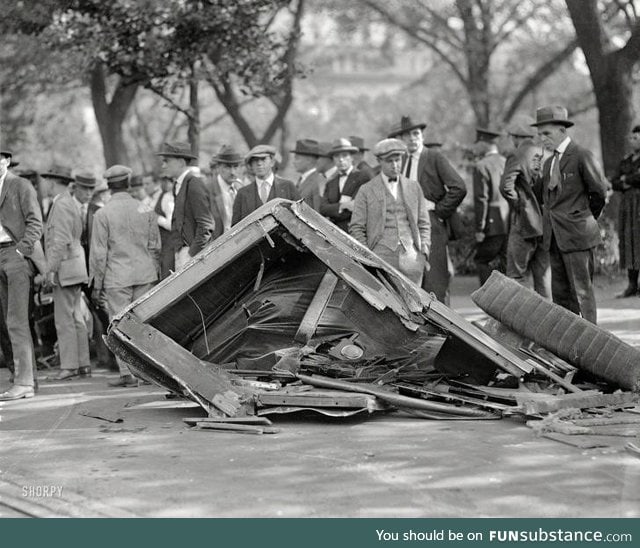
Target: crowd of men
115,238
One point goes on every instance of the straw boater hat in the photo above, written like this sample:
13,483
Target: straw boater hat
177,149
389,147
406,124
117,176
554,114
307,147
85,179
342,145
61,173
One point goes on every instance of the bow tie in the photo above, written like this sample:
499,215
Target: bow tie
393,180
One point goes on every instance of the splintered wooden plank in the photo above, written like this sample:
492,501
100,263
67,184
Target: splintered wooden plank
314,312
237,428
202,381
578,401
329,398
253,420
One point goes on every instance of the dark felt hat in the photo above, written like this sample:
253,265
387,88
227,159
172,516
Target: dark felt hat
85,179
117,176
554,114
260,151
358,142
342,145
486,135
324,148
307,147
136,180
406,124
62,173
228,155
523,131
177,149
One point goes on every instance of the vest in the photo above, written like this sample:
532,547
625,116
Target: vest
397,230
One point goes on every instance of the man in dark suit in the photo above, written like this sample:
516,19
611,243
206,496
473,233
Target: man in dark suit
224,186
340,192
20,229
192,223
266,185
490,207
306,154
358,158
574,192
444,190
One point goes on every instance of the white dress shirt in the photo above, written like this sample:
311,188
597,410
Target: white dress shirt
392,186
4,236
264,187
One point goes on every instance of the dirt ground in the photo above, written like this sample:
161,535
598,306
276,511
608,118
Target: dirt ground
56,461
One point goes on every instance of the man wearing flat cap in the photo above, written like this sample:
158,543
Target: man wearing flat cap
443,189
340,191
306,154
66,272
20,229
192,223
574,192
266,185
227,180
390,215
490,207
125,251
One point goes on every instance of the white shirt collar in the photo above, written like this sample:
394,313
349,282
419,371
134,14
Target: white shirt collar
306,174
180,179
563,146
347,173
386,180
2,179
417,153
268,180
223,184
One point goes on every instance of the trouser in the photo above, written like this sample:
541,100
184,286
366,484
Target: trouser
119,297
437,279
410,262
5,344
15,287
572,280
73,339
527,254
489,249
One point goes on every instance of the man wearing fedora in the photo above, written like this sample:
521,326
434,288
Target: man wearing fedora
266,185
324,164
125,250
20,229
574,192
340,192
490,207
358,157
66,271
443,189
306,154
226,182
192,223
390,215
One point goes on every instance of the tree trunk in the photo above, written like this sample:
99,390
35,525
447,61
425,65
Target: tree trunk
194,115
110,115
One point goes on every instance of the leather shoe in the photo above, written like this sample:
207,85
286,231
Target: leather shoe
17,392
84,371
124,380
64,375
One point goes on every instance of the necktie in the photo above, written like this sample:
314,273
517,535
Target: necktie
264,191
554,176
175,188
232,191
408,170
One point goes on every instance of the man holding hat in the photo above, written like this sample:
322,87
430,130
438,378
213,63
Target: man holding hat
306,154
358,157
20,229
390,215
66,271
443,189
125,250
227,180
340,192
574,192
192,222
266,186
490,207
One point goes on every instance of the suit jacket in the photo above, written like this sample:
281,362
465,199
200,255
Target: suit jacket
330,205
310,189
570,210
125,244
192,224
365,168
440,182
367,222
248,198
491,209
20,213
63,231
520,191
216,201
